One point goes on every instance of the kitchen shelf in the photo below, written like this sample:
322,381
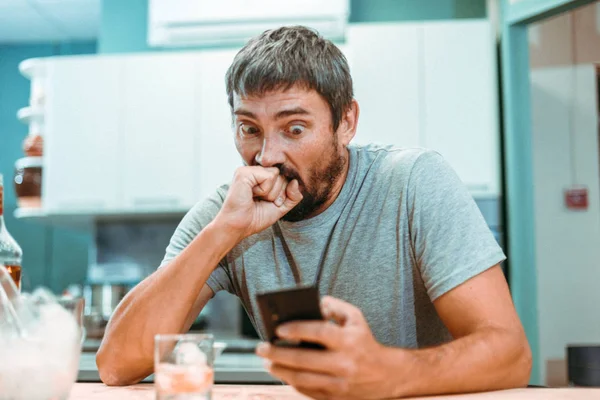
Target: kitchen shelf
29,68
85,219
28,114
31,213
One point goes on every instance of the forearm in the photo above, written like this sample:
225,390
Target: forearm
162,303
489,359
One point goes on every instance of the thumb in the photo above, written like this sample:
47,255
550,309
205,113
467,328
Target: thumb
293,196
339,311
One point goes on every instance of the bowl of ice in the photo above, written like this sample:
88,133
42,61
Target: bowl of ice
40,344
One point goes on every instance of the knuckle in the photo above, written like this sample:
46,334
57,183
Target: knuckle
323,330
241,173
238,173
342,386
347,340
355,312
347,368
303,380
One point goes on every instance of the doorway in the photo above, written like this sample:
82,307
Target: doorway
546,156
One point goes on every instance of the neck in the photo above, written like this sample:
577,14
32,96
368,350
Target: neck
337,186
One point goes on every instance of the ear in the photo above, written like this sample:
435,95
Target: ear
347,128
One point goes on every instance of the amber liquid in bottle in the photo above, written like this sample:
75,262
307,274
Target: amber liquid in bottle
10,251
15,273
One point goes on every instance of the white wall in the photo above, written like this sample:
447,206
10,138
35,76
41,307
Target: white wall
567,242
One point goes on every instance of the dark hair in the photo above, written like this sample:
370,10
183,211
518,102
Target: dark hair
281,58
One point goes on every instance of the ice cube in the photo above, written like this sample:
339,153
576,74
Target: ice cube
189,353
43,296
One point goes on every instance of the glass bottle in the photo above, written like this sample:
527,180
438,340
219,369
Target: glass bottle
11,254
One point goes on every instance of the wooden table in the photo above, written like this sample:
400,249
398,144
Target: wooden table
97,391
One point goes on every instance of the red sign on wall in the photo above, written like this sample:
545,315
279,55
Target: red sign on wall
576,198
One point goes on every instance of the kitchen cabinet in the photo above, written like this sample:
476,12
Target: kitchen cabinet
158,130
460,101
82,150
431,85
216,155
384,63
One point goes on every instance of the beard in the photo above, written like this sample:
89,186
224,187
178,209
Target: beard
318,189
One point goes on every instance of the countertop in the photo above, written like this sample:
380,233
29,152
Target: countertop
229,368
96,391
238,364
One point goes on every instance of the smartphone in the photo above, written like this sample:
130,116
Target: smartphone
295,304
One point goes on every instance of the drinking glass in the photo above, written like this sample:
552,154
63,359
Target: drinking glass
183,366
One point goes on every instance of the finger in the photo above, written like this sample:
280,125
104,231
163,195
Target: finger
260,179
281,196
321,332
305,380
293,196
341,312
273,194
319,361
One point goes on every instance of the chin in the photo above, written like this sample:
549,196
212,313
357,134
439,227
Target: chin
306,209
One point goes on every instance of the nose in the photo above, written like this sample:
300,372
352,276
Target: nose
271,153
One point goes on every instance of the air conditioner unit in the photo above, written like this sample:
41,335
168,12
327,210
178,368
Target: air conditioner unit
183,23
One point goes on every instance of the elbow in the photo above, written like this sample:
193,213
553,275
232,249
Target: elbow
523,364
108,371
111,370
110,377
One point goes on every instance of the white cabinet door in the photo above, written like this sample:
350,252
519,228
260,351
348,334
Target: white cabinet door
461,101
217,157
81,151
384,63
159,130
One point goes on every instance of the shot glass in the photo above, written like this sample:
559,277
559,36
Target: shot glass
183,366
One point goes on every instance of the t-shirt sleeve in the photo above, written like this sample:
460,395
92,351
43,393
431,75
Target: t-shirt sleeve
190,226
451,240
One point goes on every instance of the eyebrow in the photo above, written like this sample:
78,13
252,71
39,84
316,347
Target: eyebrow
245,113
279,115
290,112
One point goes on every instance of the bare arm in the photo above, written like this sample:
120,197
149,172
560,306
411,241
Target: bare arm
167,301
490,350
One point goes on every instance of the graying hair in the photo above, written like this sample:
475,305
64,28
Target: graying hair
281,58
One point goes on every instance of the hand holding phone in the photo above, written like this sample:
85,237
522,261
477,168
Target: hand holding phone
296,304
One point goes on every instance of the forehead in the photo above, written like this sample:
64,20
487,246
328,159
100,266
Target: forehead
273,101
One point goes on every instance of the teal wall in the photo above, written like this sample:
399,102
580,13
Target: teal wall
124,26
52,257
415,10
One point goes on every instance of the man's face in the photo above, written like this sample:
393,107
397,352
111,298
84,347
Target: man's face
291,130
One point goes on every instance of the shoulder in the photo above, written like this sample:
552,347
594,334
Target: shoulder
398,161
204,211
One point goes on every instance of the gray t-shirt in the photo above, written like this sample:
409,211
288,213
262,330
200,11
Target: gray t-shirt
402,232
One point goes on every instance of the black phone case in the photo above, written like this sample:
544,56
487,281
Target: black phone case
296,304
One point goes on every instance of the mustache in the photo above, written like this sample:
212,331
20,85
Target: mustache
288,173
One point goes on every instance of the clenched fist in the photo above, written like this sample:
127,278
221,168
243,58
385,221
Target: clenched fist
257,198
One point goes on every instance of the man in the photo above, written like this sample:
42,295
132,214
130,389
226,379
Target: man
410,270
